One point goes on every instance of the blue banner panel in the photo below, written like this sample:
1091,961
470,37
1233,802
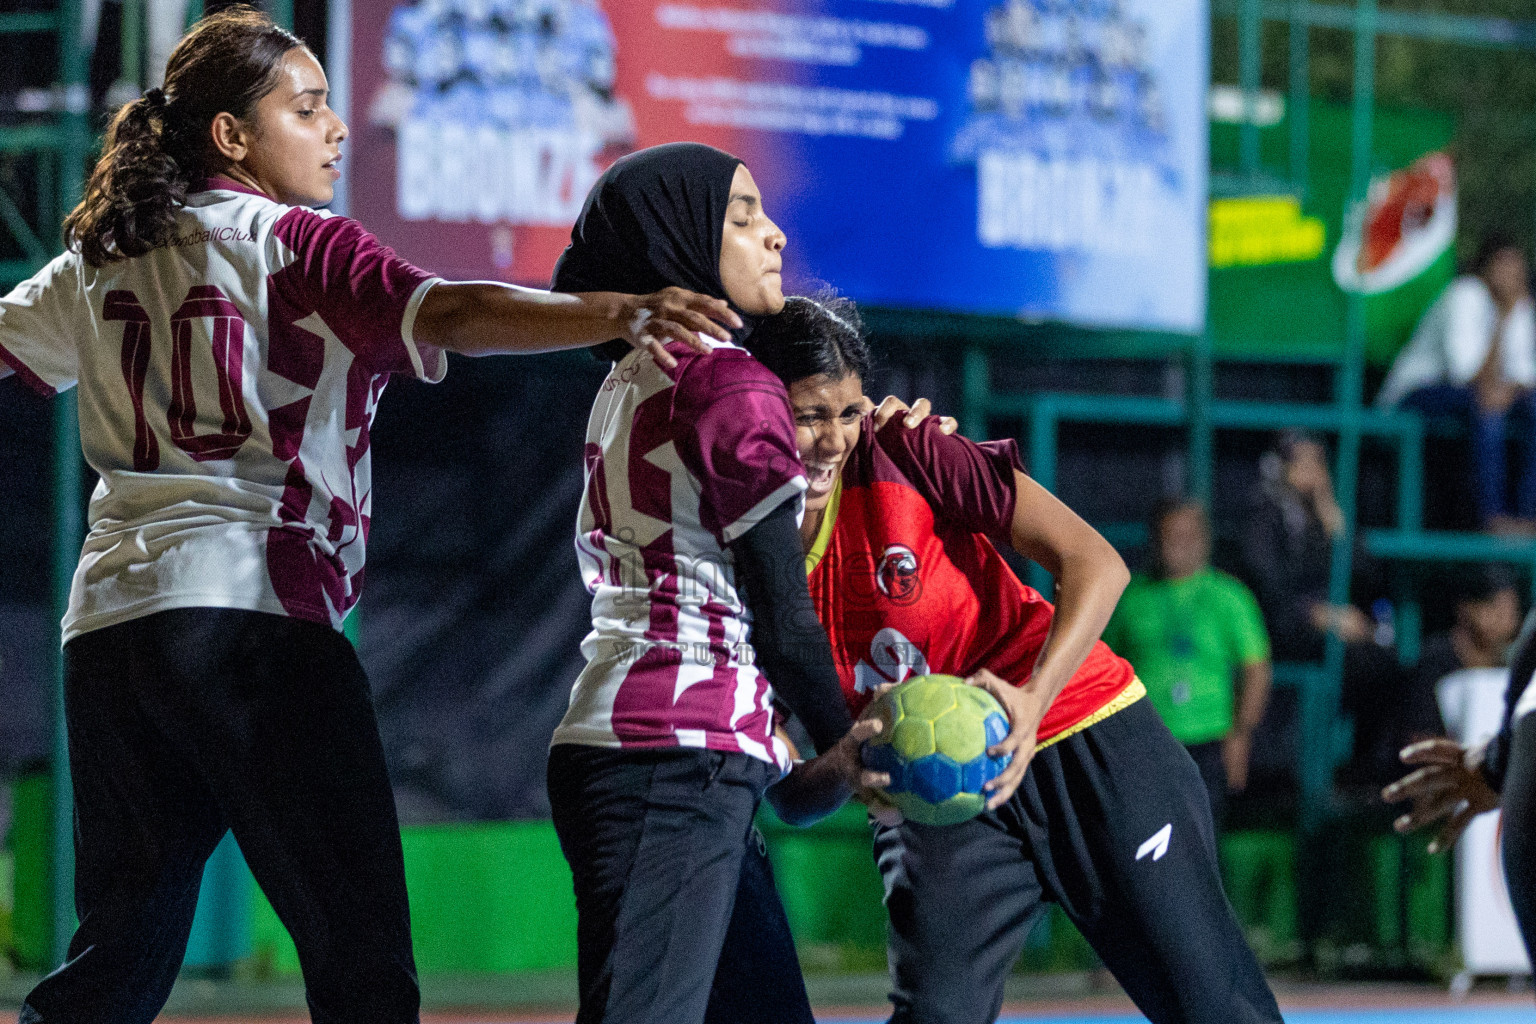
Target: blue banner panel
1039,158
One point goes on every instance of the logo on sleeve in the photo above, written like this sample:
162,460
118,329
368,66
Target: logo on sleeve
897,574
1158,844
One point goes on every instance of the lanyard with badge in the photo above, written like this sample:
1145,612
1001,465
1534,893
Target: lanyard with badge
1179,634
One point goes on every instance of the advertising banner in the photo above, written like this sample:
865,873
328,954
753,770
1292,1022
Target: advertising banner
1040,158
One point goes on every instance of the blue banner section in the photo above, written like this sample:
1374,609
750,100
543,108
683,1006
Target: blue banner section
1041,158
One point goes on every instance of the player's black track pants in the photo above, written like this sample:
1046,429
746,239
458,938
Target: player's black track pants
184,724
1084,831
660,842
1113,824
1519,832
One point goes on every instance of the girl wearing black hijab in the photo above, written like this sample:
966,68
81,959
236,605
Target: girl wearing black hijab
688,541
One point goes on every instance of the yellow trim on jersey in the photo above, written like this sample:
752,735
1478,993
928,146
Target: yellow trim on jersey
1122,700
824,531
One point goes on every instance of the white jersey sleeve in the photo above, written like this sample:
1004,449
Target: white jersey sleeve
38,321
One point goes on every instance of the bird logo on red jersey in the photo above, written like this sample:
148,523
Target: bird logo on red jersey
897,574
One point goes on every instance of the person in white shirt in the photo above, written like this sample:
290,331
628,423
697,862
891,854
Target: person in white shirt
229,346
1473,356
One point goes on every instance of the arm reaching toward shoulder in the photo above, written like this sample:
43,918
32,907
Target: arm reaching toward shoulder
1090,576
481,318
915,413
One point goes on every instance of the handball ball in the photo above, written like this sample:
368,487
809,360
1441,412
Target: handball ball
935,731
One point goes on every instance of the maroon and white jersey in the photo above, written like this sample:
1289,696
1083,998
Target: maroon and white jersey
227,382
678,464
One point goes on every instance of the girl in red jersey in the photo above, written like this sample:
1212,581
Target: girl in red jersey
229,345
1101,810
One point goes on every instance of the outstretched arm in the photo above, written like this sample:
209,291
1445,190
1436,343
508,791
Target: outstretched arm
481,318
1452,783
817,788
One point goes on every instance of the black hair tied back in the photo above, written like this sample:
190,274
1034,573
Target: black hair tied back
159,148
819,335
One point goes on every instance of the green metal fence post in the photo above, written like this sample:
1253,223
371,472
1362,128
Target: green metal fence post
281,12
67,537
1250,30
1043,426
1320,705
1202,436
1298,114
67,477
133,42
1410,518
976,392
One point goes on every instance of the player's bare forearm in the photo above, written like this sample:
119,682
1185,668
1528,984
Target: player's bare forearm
1255,695
818,787
1090,577
808,794
481,318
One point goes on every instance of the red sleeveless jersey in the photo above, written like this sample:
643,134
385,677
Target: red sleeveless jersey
906,580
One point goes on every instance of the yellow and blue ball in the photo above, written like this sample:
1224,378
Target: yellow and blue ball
935,731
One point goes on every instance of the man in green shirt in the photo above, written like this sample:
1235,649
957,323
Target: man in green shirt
1191,631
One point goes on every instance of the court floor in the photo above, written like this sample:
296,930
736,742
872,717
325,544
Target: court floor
1438,1015
1504,1013
1469,1015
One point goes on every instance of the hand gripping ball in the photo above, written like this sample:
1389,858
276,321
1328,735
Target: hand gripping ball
933,743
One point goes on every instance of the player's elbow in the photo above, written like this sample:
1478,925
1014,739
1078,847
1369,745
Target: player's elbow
1113,571
453,317
784,808
440,321
1096,560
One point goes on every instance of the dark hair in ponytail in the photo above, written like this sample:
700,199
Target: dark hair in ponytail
158,148
812,336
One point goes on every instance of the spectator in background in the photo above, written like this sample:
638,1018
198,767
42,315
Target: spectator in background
1191,631
1288,551
1473,356
1487,620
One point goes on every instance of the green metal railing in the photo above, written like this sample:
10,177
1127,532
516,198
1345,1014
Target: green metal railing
60,147
1201,416
60,150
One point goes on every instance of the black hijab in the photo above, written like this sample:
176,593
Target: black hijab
656,218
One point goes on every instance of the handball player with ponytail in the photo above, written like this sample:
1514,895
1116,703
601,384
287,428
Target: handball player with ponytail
229,344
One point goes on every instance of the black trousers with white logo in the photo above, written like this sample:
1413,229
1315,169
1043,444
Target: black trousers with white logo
1112,824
